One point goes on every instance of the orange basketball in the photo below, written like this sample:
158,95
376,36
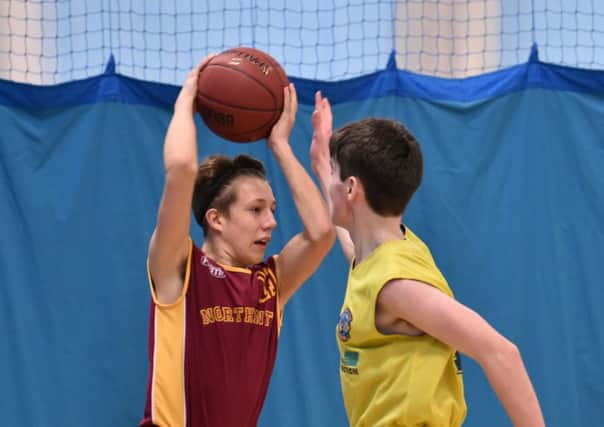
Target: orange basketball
240,94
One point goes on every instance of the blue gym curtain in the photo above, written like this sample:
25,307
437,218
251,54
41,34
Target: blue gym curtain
511,206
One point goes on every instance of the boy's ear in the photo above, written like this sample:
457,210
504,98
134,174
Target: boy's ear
353,185
214,219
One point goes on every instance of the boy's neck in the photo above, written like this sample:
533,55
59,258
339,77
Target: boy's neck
371,230
219,253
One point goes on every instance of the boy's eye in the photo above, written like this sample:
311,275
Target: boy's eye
260,209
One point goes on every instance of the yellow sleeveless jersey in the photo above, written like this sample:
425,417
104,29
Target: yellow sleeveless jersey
395,380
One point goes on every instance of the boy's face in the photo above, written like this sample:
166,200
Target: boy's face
338,195
249,225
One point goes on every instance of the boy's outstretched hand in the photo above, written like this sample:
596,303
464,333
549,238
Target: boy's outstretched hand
322,122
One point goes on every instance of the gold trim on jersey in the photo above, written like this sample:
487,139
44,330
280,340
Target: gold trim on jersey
167,386
272,290
235,269
185,285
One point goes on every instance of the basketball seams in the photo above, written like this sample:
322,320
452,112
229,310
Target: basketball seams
237,107
235,135
282,75
266,124
273,62
248,75
280,71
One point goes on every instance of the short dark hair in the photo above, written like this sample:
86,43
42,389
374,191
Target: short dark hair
385,157
212,185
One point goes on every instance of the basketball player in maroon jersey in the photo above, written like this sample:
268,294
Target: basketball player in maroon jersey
216,310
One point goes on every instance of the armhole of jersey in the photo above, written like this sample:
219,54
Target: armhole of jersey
279,314
185,286
278,297
377,295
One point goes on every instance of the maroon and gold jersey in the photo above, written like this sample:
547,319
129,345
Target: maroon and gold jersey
212,352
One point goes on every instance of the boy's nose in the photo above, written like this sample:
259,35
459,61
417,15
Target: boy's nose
271,222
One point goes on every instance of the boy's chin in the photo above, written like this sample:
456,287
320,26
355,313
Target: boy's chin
256,258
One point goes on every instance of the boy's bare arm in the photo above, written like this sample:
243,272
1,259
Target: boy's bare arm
322,123
301,256
169,243
449,321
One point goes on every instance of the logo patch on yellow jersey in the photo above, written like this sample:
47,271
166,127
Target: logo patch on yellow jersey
348,363
345,324
351,358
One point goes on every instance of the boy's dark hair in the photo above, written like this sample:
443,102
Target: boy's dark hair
212,185
386,158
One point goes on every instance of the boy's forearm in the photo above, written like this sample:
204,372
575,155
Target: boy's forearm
180,146
322,177
307,198
511,383
322,174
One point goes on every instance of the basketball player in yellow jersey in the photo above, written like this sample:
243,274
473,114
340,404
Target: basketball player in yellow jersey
400,327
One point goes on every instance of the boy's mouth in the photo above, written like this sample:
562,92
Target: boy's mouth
262,242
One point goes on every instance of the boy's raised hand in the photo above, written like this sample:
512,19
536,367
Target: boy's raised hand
322,122
283,128
188,92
